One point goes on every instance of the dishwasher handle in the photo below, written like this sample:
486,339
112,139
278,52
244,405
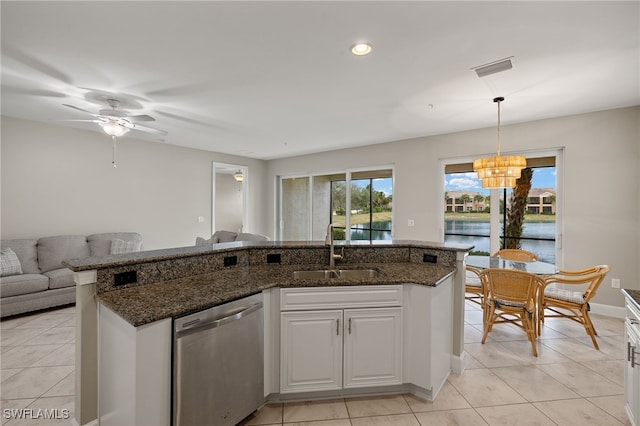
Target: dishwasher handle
234,316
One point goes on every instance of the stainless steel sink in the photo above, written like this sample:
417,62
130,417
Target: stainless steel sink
324,274
358,273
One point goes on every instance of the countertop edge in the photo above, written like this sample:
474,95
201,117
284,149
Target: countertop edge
102,262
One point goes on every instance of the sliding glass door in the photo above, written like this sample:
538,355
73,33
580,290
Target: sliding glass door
357,202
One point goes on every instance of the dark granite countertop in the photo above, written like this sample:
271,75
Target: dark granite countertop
89,263
144,304
632,295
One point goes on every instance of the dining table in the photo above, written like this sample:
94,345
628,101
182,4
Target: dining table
536,267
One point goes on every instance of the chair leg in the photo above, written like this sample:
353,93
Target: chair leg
588,326
528,324
487,321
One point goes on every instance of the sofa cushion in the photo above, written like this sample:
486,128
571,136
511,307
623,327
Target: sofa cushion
251,237
224,236
26,252
16,285
100,244
53,250
60,278
202,242
119,246
9,263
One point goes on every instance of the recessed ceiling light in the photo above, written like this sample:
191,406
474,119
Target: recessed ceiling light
361,49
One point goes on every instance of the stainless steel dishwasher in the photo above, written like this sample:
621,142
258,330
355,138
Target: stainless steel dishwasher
218,370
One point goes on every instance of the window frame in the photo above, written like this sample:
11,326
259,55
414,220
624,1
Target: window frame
495,194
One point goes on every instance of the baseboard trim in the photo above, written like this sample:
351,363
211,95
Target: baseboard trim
608,310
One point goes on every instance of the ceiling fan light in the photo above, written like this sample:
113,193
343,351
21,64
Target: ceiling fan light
238,176
113,129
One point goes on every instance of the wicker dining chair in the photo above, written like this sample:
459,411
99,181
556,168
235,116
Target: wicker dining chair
473,286
516,254
511,298
573,303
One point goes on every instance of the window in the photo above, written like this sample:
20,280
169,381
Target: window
359,202
468,222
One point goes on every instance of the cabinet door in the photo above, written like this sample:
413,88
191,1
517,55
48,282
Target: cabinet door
311,358
372,347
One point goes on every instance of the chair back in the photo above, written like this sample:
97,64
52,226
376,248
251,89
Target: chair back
511,287
516,254
591,278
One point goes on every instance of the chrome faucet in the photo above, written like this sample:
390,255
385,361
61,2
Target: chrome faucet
329,241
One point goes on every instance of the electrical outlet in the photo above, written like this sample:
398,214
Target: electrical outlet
230,260
411,223
123,278
615,282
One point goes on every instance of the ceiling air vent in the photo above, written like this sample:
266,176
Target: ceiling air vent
494,67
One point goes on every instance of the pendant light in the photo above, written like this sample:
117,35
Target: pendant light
499,171
238,176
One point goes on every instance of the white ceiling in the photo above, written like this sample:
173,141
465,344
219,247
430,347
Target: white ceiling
276,79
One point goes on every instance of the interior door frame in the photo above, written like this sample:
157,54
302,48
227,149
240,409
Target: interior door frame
245,193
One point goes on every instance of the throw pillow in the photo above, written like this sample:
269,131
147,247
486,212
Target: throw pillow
202,242
9,263
121,246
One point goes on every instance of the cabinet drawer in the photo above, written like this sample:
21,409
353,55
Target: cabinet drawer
339,297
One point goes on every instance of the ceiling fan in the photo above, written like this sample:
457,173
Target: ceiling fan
116,122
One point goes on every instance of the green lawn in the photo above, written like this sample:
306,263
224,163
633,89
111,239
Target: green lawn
363,218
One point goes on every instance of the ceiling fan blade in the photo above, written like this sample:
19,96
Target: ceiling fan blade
143,117
82,121
79,109
134,126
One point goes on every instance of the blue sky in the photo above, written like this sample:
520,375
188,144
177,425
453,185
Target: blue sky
544,177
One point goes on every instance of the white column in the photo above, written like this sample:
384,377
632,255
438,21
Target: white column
459,360
86,372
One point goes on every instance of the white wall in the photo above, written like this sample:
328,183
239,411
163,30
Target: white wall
601,183
58,180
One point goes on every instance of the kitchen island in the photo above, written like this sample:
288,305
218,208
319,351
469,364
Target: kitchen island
140,294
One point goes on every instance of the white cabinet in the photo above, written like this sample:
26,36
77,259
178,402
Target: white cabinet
632,364
311,351
339,346
372,347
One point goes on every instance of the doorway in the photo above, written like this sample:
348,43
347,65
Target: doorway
230,197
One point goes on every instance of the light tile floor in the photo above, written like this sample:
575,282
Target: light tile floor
38,360
569,383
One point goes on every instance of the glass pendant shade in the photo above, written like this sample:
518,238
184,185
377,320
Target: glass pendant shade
113,129
499,171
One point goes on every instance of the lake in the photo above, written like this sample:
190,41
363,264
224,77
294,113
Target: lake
533,229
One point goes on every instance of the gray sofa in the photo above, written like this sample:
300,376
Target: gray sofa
37,280
230,236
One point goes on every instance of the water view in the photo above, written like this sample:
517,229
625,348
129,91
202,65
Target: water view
532,229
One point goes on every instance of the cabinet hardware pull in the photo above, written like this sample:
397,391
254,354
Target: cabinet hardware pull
338,327
629,350
349,325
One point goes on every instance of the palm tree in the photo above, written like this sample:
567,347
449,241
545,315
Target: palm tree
517,207
478,198
464,198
